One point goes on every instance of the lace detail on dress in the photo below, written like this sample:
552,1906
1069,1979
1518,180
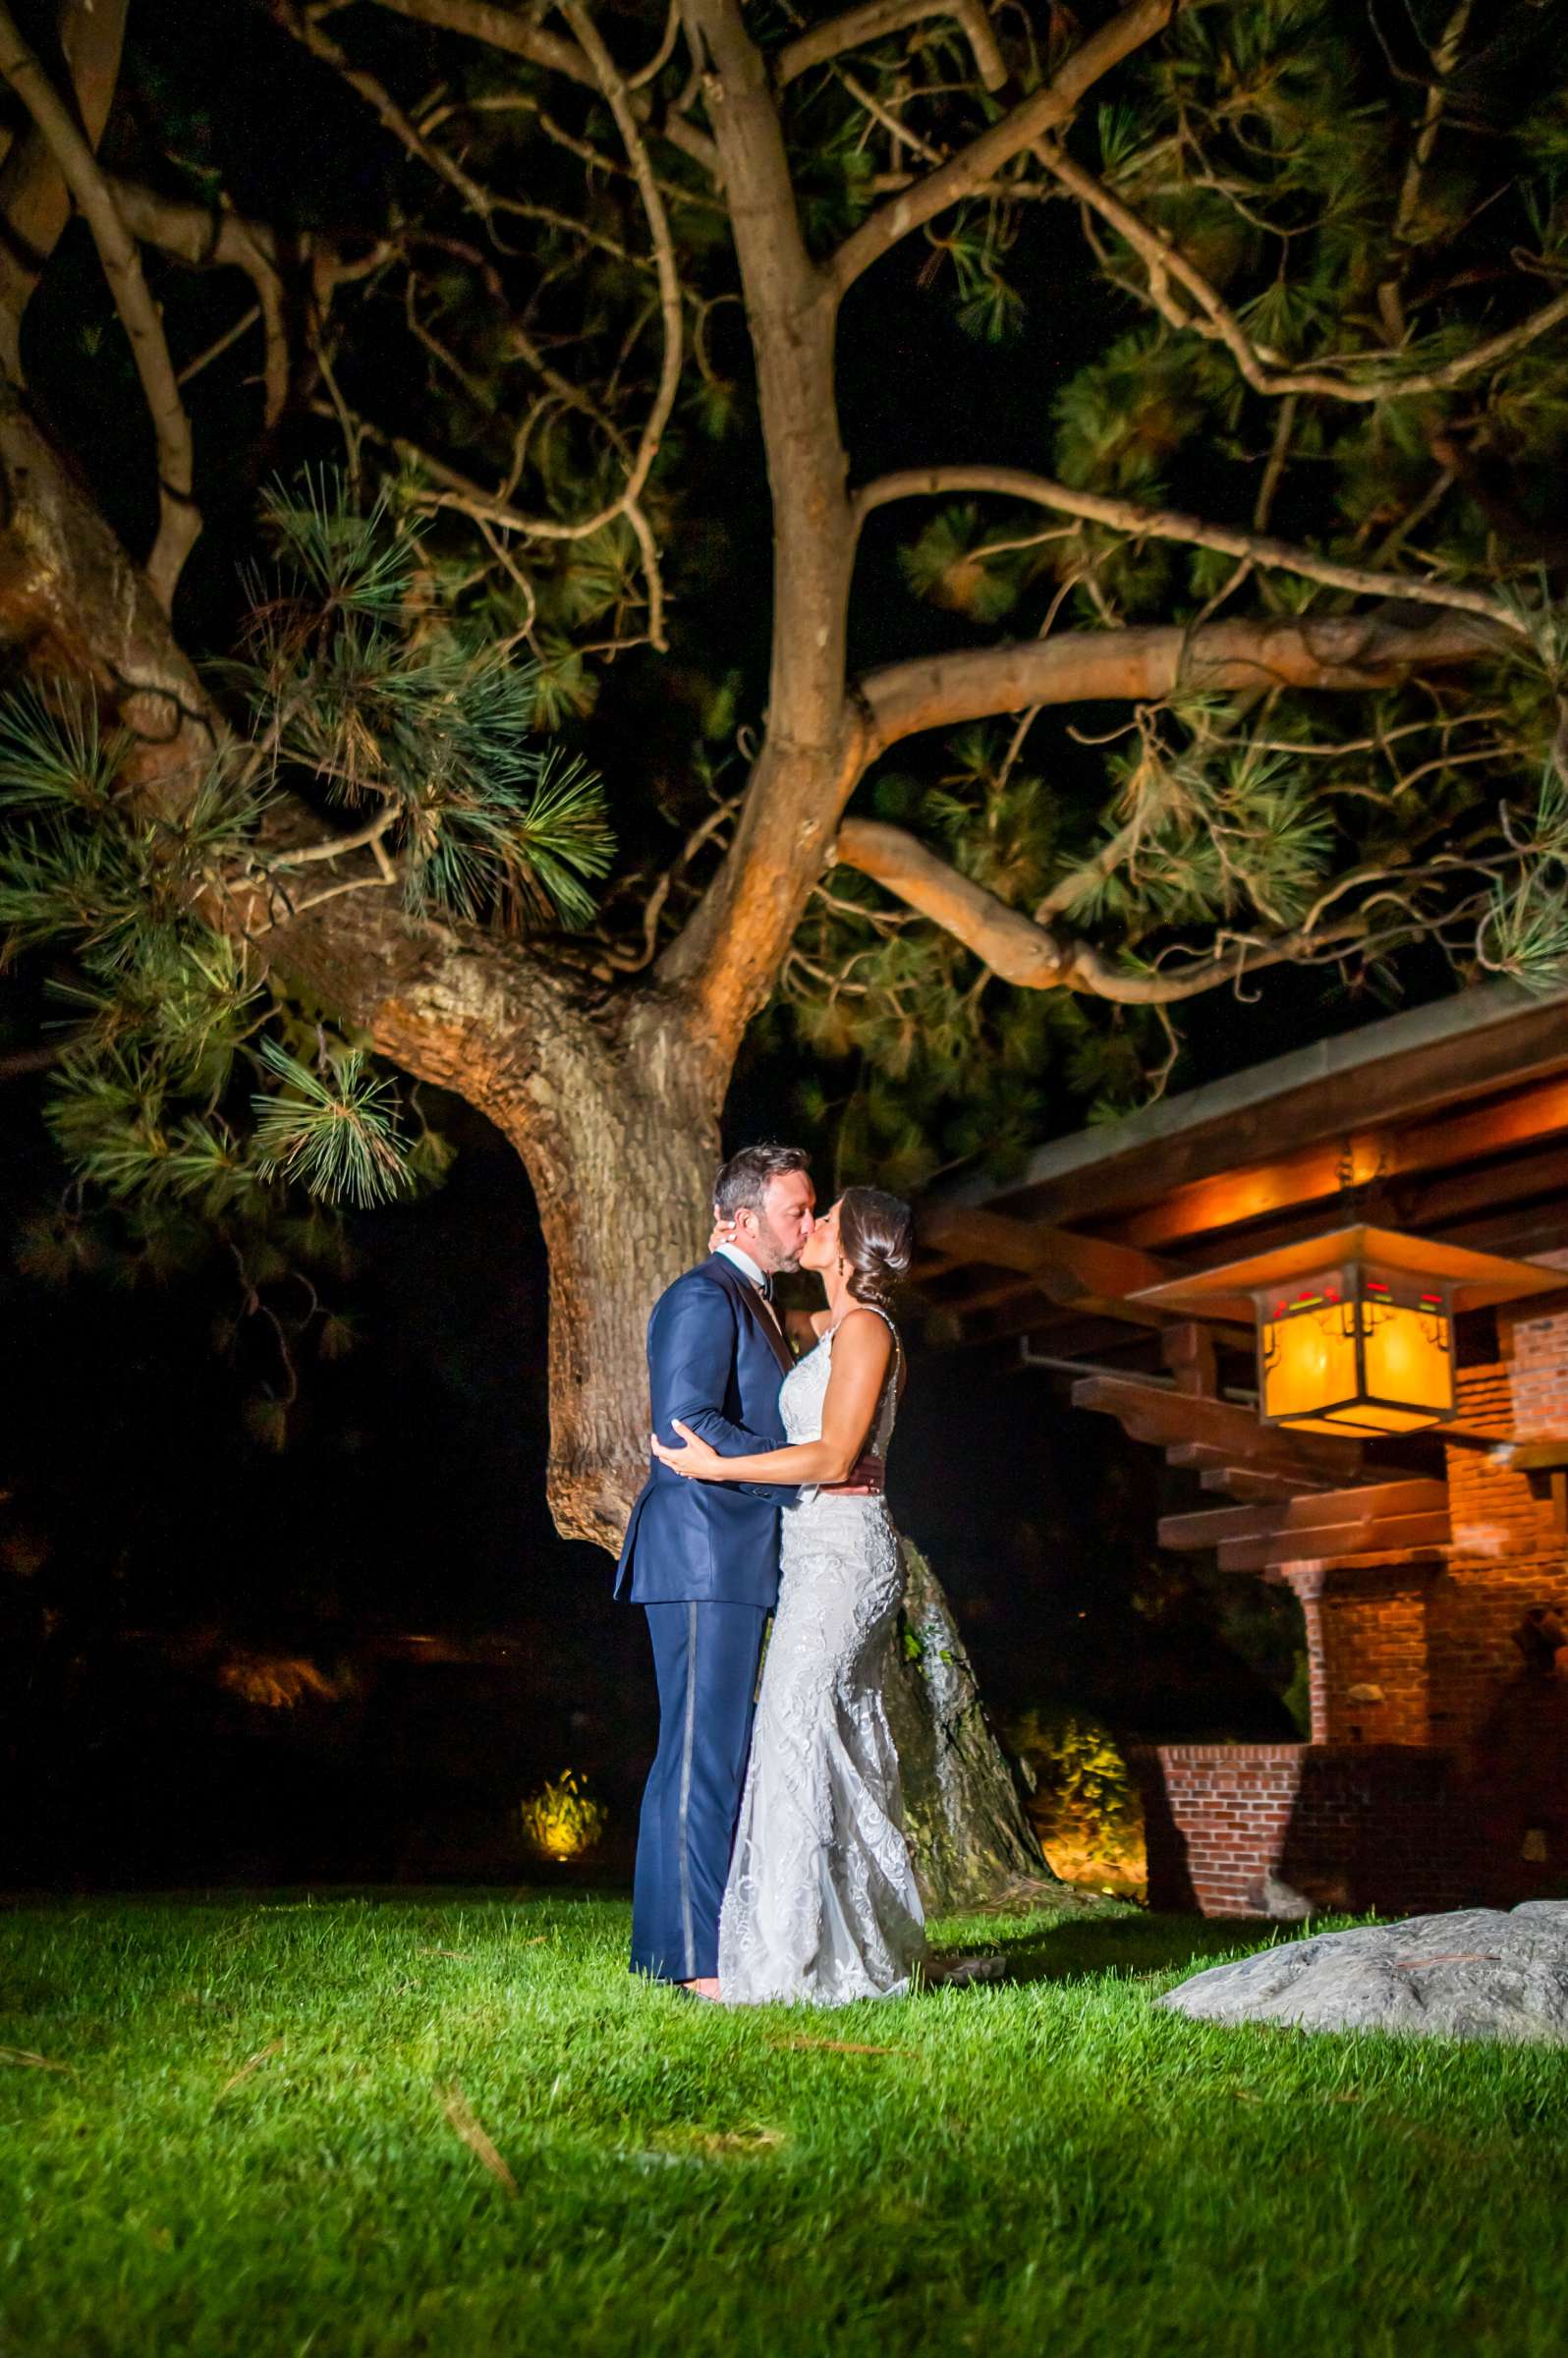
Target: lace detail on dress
822,1903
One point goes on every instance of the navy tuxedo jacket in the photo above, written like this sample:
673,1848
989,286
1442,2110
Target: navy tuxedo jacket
716,1361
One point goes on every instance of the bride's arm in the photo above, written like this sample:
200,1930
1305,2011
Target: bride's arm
862,1349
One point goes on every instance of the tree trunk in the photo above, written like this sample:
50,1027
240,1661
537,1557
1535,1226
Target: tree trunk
621,1141
972,1842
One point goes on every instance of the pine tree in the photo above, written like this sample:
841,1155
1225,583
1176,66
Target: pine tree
1283,538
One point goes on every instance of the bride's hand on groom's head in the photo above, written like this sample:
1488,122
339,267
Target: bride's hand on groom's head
723,1233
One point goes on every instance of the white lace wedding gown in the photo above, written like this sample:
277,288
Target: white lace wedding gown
821,1905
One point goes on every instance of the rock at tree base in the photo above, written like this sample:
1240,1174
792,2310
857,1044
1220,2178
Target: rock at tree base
1474,1973
972,1844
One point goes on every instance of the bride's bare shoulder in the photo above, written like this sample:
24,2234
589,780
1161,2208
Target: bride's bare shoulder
873,1331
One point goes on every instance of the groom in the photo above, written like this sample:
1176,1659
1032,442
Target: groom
703,1557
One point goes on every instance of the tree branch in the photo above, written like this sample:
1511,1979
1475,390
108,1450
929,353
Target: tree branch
1146,665
178,517
34,201
857,28
304,28
727,955
518,34
451,1004
965,172
1004,938
1444,58
1033,957
214,238
1169,524
619,102
17,1063
1216,323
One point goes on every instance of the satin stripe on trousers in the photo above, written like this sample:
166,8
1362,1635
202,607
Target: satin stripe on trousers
705,1657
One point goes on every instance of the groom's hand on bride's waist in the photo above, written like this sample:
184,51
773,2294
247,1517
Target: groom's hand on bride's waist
866,1478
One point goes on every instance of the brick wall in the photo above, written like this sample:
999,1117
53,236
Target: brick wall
1507,1555
1359,1826
1438,1766
1366,1625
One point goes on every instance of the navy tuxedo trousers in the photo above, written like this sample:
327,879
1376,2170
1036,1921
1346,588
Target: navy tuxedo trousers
704,1656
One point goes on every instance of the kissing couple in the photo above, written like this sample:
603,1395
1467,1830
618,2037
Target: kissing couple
772,1863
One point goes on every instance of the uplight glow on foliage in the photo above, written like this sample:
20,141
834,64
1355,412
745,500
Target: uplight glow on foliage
562,1820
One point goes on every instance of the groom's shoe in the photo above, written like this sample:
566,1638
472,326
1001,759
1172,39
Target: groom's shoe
707,1987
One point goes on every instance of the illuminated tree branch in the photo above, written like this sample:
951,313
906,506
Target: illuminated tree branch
857,28
518,34
1215,321
212,238
178,517
967,171
1169,524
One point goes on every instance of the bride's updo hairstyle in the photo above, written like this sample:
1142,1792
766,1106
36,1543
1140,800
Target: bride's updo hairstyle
876,1237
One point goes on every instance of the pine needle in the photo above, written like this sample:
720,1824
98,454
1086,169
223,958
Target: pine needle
274,2047
839,2047
455,2104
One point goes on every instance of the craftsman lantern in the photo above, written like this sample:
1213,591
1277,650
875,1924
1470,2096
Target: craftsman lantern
1355,1331
1356,1345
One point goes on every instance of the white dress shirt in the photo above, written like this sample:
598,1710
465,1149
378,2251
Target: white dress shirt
743,1263
756,1280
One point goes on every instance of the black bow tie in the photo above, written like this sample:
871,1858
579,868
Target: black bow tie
765,1286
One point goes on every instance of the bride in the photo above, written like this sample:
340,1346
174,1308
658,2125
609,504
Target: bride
822,1904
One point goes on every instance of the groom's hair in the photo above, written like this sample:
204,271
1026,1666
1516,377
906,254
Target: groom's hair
742,1184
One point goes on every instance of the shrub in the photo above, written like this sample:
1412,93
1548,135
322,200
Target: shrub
562,1819
1083,1804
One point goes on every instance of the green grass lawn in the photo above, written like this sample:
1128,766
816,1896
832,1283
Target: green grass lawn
435,2122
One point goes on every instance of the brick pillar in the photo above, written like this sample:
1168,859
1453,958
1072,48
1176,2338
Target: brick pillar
1367,1645
1307,1580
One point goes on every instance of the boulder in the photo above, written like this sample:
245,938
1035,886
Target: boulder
1470,1973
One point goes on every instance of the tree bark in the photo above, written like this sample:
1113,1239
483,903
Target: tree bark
621,1141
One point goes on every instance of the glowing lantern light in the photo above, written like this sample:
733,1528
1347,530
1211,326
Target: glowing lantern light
1355,1330
1356,1346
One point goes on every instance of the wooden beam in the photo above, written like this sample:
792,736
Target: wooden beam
1545,1466
1170,1418
1375,1536
987,1294
1251,1193
1052,1266
1200,1458
1188,1350
1072,1334
1358,1159
1248,1482
1304,1517
1430,1204
1422,1081
1068,1267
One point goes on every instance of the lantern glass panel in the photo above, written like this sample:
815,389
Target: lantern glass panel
1307,1347
1407,1359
